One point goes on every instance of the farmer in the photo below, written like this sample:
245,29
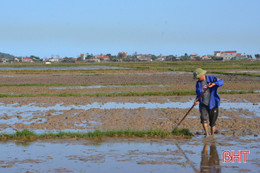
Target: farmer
210,101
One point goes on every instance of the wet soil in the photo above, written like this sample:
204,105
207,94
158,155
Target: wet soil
236,121
176,80
75,113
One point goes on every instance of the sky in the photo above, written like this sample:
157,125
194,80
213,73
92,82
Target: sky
60,28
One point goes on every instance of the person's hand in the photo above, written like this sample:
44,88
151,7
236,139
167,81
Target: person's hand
210,85
196,102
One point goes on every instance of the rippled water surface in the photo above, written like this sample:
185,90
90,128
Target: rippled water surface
129,155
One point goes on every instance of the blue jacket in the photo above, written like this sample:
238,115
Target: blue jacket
214,97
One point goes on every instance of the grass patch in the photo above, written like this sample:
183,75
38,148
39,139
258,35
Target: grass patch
186,66
238,92
26,134
185,132
241,74
84,85
126,94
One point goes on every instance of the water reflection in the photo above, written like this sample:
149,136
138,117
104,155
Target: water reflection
210,159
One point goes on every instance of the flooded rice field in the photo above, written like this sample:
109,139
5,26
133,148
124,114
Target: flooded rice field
238,124
52,114
238,129
197,154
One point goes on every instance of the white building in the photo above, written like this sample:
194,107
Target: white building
227,55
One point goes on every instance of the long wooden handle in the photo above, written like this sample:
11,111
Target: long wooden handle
184,117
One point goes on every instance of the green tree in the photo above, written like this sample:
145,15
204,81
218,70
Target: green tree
35,58
112,58
5,55
185,57
89,56
171,58
217,58
153,57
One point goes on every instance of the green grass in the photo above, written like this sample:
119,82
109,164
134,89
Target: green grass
185,132
187,66
191,65
124,94
26,134
238,92
60,85
241,74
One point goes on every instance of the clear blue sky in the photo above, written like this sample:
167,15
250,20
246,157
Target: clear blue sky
69,27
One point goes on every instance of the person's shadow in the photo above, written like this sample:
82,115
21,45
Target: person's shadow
210,159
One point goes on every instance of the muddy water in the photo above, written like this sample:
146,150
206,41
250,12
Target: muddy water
118,114
129,155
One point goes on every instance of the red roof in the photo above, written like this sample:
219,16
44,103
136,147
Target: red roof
104,57
27,58
229,52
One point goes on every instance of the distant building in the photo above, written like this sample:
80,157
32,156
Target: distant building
93,59
16,60
217,53
194,56
241,57
102,57
83,57
141,57
206,57
54,60
51,60
27,59
4,60
227,55
161,58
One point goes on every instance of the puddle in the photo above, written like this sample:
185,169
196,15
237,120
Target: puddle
224,117
61,68
170,73
193,117
7,76
32,107
219,117
256,91
246,71
128,155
